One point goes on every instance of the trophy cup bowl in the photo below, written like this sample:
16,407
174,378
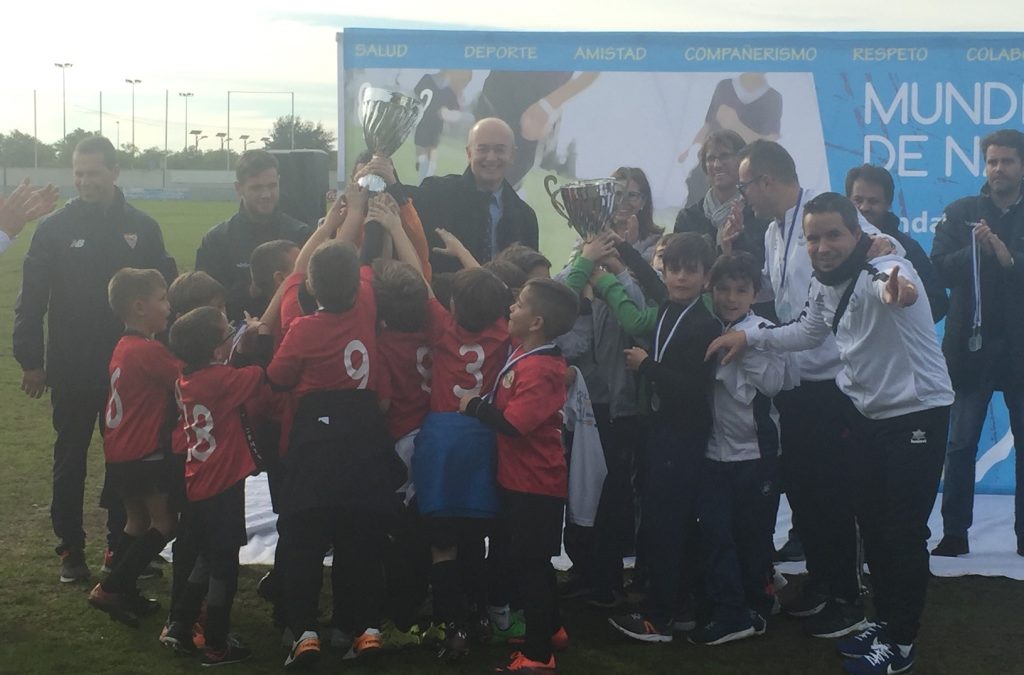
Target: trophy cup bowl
388,117
588,205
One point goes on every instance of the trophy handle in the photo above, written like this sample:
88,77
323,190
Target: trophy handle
553,194
362,91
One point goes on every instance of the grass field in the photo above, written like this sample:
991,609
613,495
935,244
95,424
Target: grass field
972,626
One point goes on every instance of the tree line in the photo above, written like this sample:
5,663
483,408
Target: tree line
23,150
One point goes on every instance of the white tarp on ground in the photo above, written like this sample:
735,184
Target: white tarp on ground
993,545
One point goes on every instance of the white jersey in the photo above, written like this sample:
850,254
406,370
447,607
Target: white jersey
787,276
745,424
891,361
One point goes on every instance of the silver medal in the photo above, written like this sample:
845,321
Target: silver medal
974,342
655,402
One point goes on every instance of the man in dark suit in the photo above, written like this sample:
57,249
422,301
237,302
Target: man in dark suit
479,207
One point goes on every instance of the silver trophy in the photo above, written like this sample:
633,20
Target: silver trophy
388,118
588,205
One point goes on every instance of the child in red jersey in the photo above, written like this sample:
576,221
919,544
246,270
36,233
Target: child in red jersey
136,437
526,413
454,459
404,346
213,397
339,477
189,291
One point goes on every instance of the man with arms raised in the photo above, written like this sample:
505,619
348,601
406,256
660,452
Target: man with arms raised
225,250
73,255
479,207
895,403
979,255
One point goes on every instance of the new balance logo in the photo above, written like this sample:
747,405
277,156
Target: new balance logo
78,243
324,420
917,437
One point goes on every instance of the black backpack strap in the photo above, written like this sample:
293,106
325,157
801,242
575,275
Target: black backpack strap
844,302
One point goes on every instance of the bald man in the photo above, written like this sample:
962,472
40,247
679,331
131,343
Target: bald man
479,207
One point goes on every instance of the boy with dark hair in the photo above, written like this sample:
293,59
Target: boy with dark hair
454,462
338,477
530,261
270,264
737,495
680,424
136,438
213,398
526,413
192,290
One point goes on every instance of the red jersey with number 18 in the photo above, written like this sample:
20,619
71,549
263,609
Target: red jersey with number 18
140,409
465,363
213,400
330,351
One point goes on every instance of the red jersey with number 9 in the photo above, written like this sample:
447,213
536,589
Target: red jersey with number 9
141,403
407,363
465,363
212,401
330,351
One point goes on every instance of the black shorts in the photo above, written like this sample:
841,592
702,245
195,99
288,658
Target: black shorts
176,496
532,524
445,532
135,480
219,522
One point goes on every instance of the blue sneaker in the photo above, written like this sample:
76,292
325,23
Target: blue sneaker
720,632
884,659
861,643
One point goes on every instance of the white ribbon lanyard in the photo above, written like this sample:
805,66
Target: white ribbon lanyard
974,342
513,360
659,349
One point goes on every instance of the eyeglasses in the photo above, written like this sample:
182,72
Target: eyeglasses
742,186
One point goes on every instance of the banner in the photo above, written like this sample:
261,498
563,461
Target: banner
583,104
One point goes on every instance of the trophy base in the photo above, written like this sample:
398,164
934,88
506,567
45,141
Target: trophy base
373,183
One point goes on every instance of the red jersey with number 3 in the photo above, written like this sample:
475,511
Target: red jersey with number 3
406,362
140,409
213,400
465,363
330,351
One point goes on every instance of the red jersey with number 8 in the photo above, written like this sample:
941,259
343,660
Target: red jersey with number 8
465,363
212,401
140,408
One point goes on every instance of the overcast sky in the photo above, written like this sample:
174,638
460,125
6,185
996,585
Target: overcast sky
208,48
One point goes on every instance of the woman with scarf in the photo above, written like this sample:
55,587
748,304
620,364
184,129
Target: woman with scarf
719,159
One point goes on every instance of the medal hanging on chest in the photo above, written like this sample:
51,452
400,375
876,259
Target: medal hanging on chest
655,401
974,342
